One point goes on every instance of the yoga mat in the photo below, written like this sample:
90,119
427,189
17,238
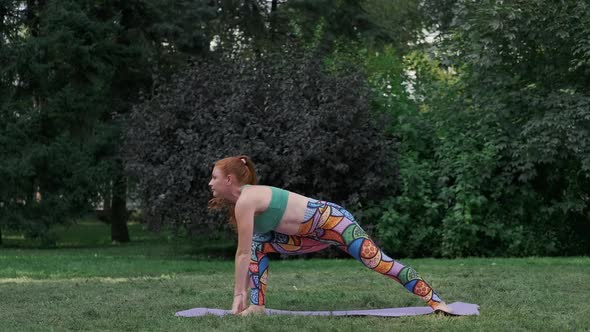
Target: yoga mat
458,308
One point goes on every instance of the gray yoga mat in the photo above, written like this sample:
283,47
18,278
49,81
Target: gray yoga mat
458,308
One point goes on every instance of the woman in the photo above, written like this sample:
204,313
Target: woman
273,220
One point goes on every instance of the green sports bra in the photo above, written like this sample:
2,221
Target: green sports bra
271,217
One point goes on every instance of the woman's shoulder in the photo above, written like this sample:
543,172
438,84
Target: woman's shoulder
263,190
263,193
250,190
257,195
251,187
258,186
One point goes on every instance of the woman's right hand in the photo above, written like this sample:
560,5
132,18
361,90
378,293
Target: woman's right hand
240,303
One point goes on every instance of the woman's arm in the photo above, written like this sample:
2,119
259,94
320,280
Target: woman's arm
244,211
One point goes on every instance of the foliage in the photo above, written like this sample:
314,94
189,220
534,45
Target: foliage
437,15
371,22
341,17
394,22
307,130
56,83
532,64
72,66
500,166
492,119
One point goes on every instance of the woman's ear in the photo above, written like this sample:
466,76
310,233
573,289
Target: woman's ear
229,179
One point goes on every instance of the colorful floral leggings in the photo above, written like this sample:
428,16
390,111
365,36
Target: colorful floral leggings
328,224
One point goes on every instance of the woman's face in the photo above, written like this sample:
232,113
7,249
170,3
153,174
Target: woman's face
219,183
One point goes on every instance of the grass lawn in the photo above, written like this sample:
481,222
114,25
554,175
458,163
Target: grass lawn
93,285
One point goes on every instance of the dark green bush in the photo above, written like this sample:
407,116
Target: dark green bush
306,130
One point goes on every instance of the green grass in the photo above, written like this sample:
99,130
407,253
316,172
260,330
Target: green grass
93,285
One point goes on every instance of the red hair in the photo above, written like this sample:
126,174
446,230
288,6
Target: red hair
243,169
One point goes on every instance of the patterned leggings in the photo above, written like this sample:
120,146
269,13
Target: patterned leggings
328,224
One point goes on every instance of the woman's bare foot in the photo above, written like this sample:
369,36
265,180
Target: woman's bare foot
442,308
253,310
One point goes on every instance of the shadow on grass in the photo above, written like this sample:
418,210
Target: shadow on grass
92,234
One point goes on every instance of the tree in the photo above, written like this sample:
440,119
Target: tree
10,16
501,160
155,39
75,66
531,58
54,83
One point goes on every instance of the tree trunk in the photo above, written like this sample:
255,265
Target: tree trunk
273,19
33,13
107,210
119,231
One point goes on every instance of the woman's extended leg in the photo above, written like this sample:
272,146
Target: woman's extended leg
332,224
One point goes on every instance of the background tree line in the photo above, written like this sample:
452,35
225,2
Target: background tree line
452,128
